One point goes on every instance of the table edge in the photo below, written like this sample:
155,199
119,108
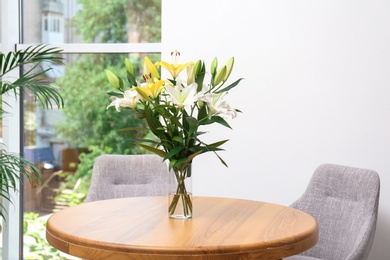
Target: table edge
308,240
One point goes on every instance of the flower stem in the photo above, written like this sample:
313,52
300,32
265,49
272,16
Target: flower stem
180,195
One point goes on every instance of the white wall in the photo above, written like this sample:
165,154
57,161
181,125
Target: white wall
316,90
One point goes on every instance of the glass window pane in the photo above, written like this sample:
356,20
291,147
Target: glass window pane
63,143
91,21
1,24
1,128
1,124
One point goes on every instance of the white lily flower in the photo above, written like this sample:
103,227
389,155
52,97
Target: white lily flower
183,95
130,99
219,106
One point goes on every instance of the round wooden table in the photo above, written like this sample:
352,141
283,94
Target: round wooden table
221,228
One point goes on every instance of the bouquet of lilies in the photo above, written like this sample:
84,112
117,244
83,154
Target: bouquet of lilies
176,108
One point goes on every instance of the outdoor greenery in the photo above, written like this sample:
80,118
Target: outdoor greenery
36,246
34,61
119,21
87,122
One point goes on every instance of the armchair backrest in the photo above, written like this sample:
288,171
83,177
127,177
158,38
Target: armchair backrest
344,200
118,176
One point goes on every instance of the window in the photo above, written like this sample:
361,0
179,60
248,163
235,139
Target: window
92,40
1,24
45,26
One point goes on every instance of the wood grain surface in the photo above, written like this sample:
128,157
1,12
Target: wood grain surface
221,228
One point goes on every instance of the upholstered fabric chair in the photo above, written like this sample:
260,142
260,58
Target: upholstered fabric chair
118,176
344,201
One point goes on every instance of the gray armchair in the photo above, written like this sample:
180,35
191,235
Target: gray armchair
344,200
118,176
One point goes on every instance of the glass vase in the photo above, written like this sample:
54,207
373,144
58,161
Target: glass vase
180,192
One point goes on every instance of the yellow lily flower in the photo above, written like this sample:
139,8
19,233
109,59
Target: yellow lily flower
174,68
149,68
150,90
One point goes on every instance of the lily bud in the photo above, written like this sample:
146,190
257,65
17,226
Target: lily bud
113,79
220,76
129,66
190,74
197,67
199,72
213,68
229,67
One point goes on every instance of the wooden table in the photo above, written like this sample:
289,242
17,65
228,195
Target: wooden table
221,228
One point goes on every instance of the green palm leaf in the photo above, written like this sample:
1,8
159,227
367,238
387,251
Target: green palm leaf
13,166
34,63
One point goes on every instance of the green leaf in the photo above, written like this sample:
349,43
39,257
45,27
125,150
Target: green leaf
172,163
222,161
144,140
173,152
12,168
202,113
131,79
140,114
192,156
181,161
193,125
178,139
152,122
33,79
230,86
135,129
115,94
152,149
164,111
217,144
216,119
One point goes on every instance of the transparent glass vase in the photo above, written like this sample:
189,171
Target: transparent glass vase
180,192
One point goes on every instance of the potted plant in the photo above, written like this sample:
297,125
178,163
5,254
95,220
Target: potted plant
34,62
